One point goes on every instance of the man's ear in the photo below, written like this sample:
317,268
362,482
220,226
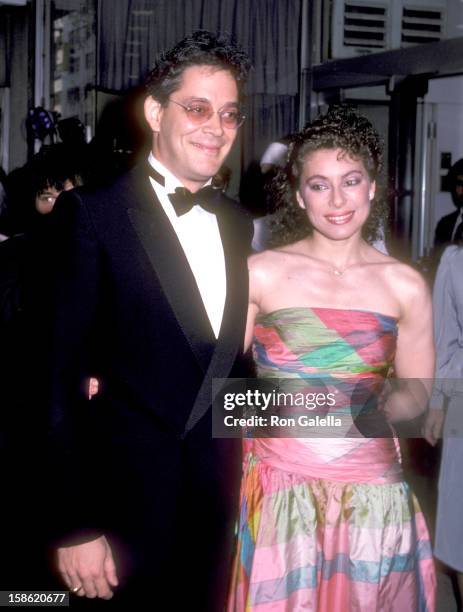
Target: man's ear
153,112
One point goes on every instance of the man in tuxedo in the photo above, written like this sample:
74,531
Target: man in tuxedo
151,301
450,227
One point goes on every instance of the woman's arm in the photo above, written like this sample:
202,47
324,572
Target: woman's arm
415,357
253,309
255,277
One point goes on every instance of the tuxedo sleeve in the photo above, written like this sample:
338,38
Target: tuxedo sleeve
75,472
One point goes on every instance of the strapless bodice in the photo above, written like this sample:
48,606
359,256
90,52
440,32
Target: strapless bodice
349,352
304,342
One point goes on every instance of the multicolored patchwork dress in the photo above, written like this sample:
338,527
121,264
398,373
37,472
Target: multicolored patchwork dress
328,524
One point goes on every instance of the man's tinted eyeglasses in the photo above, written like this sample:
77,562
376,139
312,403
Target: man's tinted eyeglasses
200,111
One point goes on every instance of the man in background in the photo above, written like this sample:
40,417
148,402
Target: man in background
450,227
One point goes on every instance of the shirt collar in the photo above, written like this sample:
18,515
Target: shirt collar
171,181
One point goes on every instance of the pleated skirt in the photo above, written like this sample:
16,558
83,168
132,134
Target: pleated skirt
317,545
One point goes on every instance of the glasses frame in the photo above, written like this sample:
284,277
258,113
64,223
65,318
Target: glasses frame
188,107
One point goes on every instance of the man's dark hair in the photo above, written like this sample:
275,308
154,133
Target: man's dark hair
52,167
455,170
202,48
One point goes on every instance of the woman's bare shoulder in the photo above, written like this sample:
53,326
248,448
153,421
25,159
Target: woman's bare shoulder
405,282
272,259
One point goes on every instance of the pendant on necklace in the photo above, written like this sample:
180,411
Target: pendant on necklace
337,272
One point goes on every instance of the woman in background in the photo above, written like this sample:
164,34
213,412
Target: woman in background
448,389
330,524
26,263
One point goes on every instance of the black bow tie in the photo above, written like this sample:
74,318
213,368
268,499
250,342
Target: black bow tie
183,199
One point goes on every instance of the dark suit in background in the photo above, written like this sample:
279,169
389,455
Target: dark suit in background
450,227
446,228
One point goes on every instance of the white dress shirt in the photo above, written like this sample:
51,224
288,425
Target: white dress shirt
199,236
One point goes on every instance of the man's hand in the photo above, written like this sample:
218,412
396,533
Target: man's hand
432,428
93,387
89,566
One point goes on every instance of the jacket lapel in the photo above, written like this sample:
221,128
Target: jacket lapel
172,269
159,241
231,335
233,322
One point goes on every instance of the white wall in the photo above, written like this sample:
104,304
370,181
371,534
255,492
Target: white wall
454,18
447,96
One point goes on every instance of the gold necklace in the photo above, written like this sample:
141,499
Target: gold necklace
338,271
334,269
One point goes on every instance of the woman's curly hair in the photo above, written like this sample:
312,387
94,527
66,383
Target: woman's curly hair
343,128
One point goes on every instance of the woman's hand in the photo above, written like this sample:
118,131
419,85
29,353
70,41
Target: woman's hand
404,400
432,428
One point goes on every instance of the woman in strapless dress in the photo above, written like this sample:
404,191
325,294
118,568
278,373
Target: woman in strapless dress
329,524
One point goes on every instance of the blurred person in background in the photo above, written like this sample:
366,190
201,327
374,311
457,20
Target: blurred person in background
450,227
446,409
25,277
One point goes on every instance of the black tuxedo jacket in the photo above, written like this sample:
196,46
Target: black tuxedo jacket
129,313
445,229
